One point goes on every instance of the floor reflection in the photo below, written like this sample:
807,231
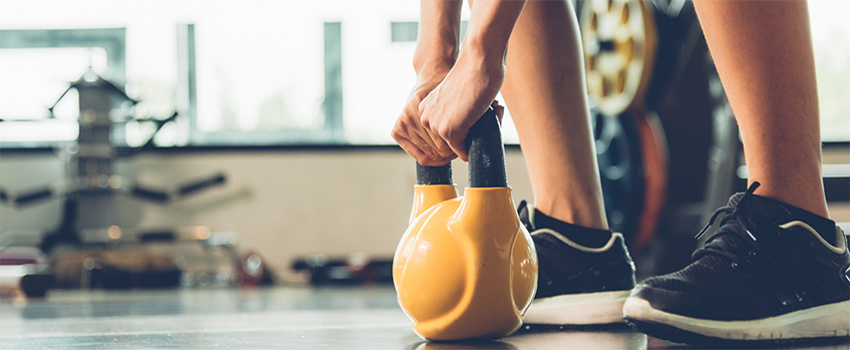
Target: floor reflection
821,344
610,337
463,345
273,318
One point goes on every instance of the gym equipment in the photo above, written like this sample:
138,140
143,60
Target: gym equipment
253,270
89,249
620,43
90,184
657,47
631,151
115,269
634,49
356,268
619,40
24,270
653,146
652,45
189,256
466,267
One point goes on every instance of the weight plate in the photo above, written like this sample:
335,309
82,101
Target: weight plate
621,172
632,155
654,158
619,41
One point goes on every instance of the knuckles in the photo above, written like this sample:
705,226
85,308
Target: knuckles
409,121
445,131
433,162
397,135
420,94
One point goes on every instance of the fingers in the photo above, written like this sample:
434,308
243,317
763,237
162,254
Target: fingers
449,137
437,139
440,146
416,140
431,128
436,156
457,138
418,148
420,156
448,134
459,147
432,145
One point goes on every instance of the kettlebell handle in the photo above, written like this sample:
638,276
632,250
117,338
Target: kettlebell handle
486,157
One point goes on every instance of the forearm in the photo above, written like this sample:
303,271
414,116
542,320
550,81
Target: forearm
439,32
490,29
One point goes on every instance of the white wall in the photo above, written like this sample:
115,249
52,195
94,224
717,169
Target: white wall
283,204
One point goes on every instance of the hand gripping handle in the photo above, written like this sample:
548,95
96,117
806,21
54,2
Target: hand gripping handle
486,157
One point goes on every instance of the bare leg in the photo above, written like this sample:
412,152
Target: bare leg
763,52
545,91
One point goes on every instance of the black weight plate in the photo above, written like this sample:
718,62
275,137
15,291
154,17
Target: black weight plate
621,172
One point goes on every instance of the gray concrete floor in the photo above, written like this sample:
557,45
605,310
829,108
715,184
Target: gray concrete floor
260,318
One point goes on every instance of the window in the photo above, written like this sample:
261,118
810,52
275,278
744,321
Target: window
831,39
261,73
38,66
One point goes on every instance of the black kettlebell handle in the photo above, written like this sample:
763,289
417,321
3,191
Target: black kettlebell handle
486,157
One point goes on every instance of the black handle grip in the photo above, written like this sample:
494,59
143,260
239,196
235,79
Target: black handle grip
202,184
486,157
486,152
34,196
434,175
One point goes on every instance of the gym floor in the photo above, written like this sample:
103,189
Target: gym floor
262,318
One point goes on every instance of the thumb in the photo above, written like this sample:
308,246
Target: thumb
457,143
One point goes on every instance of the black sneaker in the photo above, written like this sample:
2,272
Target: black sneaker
577,285
763,277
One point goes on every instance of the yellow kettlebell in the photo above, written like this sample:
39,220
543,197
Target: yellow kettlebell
466,267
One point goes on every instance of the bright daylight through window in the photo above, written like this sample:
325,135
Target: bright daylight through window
259,73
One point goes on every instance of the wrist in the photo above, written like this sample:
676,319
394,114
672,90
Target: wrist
482,51
489,31
436,61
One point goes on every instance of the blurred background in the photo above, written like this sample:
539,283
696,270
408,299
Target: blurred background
148,144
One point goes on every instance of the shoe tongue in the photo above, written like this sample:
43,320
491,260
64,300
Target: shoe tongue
753,210
766,211
761,210
735,199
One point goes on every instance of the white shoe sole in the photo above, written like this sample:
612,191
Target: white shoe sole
832,320
578,309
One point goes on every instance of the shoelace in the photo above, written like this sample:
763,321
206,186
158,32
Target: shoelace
795,282
733,222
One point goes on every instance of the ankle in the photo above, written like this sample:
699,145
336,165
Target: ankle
586,236
808,195
593,219
823,225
